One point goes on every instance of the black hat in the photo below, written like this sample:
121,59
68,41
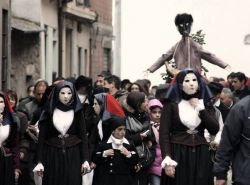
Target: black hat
215,88
116,121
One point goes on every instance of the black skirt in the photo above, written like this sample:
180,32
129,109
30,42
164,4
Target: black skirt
194,166
7,174
62,167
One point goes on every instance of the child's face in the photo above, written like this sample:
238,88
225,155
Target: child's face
119,132
155,114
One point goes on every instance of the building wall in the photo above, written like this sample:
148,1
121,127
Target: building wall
4,5
25,47
25,53
27,9
49,39
102,35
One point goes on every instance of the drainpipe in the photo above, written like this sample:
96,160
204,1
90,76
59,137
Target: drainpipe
9,48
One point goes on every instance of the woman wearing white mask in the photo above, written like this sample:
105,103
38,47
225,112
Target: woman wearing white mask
62,145
9,151
184,149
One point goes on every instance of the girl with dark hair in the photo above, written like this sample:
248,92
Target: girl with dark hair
185,151
135,87
140,133
9,149
62,144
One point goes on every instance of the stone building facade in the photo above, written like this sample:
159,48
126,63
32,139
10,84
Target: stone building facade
5,58
52,38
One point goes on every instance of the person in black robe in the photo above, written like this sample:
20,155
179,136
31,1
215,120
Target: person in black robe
116,156
185,151
62,153
9,147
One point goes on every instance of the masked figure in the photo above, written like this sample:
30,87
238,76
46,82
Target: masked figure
62,145
183,120
187,53
9,148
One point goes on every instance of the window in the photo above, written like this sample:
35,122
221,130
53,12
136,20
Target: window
80,62
69,53
87,3
79,2
106,59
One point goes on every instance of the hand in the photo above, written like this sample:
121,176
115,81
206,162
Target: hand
220,182
194,102
124,151
85,168
40,173
197,104
213,145
170,171
171,69
109,152
138,167
21,155
228,68
146,73
17,174
92,165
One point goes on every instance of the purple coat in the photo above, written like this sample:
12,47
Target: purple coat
155,168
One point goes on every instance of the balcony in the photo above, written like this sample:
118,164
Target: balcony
81,13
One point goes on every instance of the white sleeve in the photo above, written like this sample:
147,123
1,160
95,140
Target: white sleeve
218,135
168,162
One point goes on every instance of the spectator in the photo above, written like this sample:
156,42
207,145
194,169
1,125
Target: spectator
113,83
155,169
235,146
240,89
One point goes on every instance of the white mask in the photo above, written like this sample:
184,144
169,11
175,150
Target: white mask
190,84
2,105
65,95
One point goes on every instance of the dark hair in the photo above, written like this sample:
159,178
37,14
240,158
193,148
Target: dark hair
230,75
124,83
28,88
83,81
240,76
183,18
39,82
105,74
135,99
215,87
135,83
114,79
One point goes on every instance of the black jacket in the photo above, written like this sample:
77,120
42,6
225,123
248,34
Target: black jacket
235,144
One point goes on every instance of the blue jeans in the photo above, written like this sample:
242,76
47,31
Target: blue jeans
154,179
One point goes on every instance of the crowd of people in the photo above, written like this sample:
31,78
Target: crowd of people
115,131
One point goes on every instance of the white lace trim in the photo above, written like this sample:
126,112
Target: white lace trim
63,120
189,115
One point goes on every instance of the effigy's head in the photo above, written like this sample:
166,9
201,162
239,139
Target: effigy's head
184,23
